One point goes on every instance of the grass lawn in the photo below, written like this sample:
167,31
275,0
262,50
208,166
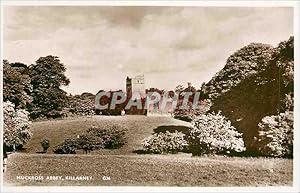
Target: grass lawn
155,170
127,168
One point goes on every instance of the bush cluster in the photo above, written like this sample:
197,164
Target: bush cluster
16,126
276,135
112,136
89,142
109,137
212,134
69,146
165,143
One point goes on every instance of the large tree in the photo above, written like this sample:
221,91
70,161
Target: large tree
242,64
16,84
249,98
47,76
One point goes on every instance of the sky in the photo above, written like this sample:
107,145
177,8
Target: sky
101,45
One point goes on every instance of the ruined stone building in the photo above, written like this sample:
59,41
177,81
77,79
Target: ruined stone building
135,87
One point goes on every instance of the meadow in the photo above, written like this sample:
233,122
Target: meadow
124,167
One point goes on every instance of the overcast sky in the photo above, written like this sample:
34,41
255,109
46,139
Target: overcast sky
100,46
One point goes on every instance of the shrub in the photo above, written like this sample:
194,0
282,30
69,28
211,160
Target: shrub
89,142
45,143
212,134
165,143
69,146
112,136
16,126
276,135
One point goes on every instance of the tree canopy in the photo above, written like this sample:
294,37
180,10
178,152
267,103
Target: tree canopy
47,76
16,84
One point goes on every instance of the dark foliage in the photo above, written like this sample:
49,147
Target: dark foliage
107,137
112,136
189,114
81,105
47,76
69,146
45,143
247,61
16,84
266,91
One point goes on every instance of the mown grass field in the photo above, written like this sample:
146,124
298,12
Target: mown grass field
124,167
151,170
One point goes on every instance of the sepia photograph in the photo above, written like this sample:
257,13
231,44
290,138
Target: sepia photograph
149,95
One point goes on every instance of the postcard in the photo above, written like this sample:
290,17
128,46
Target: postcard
129,96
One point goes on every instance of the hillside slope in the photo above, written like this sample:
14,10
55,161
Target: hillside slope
139,127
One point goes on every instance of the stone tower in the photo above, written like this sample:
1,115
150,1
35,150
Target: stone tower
128,87
135,86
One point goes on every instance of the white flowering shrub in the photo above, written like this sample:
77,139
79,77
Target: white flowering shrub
212,134
16,126
275,135
165,143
